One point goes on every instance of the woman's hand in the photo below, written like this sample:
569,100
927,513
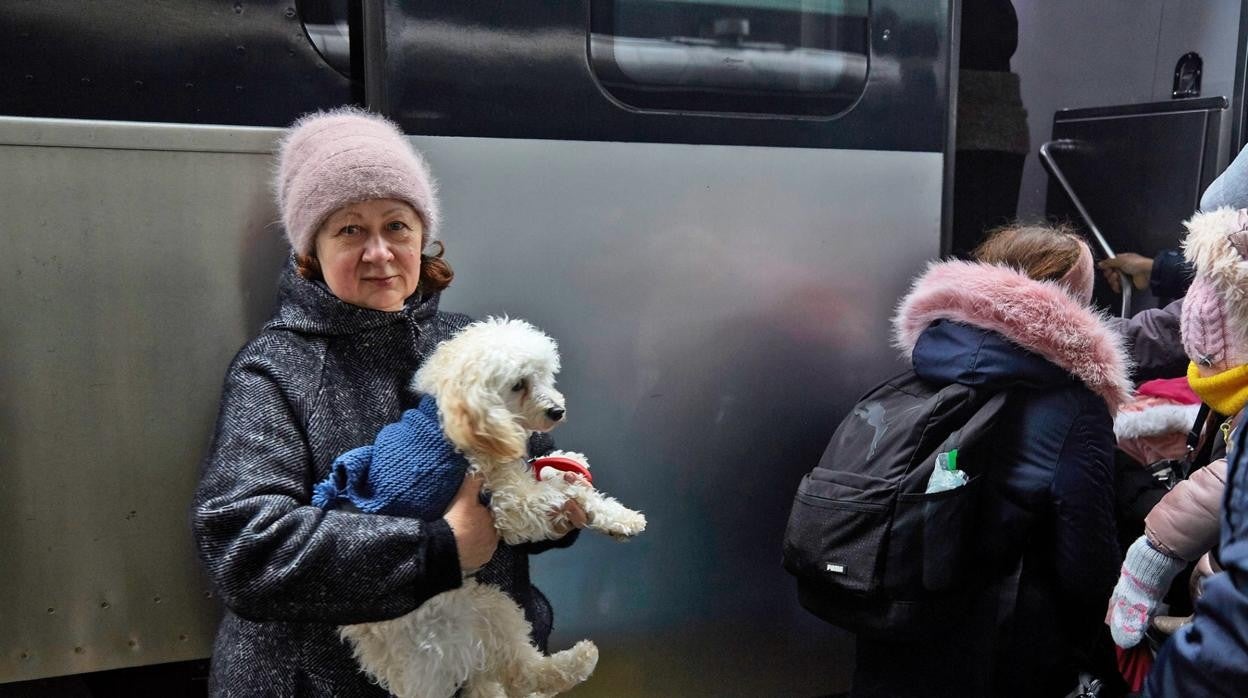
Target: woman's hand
570,515
473,525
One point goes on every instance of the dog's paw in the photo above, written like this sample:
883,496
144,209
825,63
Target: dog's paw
585,654
562,671
626,526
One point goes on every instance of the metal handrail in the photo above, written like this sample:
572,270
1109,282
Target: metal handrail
1046,157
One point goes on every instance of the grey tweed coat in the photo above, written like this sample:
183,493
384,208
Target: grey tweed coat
322,377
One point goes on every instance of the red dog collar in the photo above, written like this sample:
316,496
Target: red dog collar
567,465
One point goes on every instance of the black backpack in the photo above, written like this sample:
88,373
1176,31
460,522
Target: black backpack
871,551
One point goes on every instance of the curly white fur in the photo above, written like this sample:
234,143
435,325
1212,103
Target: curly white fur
495,384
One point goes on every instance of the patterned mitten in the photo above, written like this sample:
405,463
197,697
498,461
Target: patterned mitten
1146,575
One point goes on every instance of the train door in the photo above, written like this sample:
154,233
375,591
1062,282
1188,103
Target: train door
712,206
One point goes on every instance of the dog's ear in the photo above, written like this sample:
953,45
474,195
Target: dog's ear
475,419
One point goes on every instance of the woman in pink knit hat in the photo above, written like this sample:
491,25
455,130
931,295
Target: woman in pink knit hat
357,314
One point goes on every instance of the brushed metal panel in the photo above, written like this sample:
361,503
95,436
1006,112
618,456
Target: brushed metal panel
719,308
130,276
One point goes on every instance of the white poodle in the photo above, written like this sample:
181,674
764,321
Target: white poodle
494,382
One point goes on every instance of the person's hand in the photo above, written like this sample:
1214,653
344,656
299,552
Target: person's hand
473,525
1136,266
1146,575
571,514
1205,568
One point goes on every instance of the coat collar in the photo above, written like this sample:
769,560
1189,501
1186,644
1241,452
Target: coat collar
1039,316
310,308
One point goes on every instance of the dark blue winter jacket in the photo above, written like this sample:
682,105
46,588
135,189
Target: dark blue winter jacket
1049,498
1210,656
1052,484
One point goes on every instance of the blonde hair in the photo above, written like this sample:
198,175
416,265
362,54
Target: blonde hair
1042,252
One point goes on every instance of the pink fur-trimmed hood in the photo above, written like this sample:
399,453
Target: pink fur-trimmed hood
1039,316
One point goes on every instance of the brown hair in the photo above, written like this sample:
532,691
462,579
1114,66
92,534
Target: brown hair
1042,252
435,273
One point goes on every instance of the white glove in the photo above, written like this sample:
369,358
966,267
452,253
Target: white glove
1146,576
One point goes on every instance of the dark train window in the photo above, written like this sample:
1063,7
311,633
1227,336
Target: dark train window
796,57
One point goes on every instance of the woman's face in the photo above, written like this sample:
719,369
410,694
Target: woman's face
369,253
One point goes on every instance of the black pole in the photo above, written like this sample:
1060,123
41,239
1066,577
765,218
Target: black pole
373,28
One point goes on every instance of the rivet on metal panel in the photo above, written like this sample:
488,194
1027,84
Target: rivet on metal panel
25,655
156,599
104,604
207,594
79,650
138,84
86,80
29,77
238,88
240,49
51,610
238,8
131,515
132,643
290,13
183,638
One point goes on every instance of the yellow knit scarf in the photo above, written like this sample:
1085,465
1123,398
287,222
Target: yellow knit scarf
1225,392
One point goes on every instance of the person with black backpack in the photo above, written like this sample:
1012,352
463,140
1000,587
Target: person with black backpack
961,522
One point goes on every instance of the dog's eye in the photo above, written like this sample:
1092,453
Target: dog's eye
518,386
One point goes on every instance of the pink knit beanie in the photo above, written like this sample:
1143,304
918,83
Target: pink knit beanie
1214,321
330,159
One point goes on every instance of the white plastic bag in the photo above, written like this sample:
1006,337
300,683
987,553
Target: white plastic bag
945,473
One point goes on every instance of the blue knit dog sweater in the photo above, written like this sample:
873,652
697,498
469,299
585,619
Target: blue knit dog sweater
410,470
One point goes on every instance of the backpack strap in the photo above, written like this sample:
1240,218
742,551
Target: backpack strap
1180,469
979,423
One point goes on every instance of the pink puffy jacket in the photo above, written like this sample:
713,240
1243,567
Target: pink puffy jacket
1185,523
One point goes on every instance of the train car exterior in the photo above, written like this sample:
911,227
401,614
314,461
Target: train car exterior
712,206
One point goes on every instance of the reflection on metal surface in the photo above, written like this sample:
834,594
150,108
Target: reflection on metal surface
129,277
718,311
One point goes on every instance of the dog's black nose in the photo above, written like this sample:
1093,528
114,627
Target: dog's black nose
555,413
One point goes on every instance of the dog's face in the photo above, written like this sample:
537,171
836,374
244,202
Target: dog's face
495,384
531,397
